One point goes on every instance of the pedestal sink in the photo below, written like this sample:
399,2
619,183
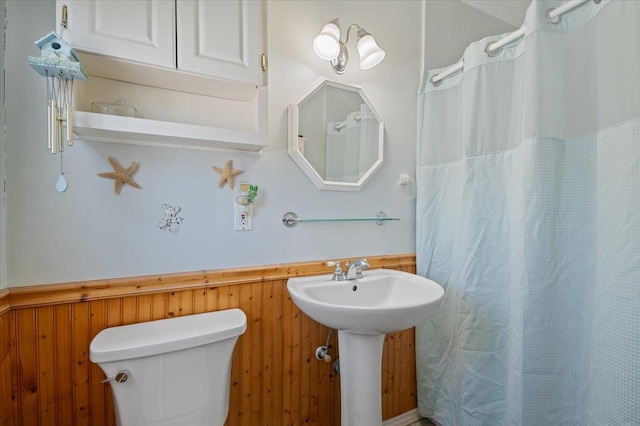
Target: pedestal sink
363,311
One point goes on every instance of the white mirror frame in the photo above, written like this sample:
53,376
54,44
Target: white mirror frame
304,164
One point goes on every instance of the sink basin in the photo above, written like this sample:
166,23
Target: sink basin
363,311
384,301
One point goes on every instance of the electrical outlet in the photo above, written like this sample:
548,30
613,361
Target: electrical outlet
242,217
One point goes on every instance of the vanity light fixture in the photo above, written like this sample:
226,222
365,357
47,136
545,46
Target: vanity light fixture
328,46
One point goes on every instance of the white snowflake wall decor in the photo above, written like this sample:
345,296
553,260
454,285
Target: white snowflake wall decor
171,219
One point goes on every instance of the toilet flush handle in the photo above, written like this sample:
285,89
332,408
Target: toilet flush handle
121,377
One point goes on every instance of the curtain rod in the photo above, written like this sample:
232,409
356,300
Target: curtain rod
493,48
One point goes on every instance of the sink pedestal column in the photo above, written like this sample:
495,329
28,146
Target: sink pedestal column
360,378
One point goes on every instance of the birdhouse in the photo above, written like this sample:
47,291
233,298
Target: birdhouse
57,59
52,44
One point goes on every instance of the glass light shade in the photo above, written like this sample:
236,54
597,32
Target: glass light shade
327,43
370,53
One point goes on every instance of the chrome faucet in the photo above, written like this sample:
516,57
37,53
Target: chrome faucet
354,269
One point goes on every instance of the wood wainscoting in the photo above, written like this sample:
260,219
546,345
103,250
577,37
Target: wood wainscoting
46,377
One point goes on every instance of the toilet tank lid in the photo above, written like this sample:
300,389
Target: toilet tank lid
167,335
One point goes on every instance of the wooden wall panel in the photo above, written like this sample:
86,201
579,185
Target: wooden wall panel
80,338
46,365
64,363
28,366
5,304
7,403
46,377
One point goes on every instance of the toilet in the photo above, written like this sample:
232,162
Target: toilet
170,372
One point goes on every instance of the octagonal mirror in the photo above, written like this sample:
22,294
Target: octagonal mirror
335,135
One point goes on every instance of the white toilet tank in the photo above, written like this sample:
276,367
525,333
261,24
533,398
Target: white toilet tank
177,370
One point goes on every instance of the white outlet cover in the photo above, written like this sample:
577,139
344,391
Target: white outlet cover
242,217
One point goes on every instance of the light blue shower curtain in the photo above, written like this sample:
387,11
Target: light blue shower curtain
368,136
528,214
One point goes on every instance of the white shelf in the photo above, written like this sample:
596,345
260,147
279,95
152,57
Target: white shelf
166,78
90,126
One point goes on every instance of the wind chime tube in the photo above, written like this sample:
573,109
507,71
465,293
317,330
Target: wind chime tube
49,124
53,117
61,135
70,124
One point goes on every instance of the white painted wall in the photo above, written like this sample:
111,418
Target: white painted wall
88,232
451,26
511,11
3,226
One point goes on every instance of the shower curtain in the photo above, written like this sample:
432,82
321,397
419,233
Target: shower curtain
350,147
368,139
528,214
342,152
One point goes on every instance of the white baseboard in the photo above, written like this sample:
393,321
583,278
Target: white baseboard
403,419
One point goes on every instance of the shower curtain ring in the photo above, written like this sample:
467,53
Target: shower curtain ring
490,52
552,21
434,82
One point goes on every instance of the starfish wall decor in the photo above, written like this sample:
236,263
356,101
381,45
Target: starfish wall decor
121,175
227,174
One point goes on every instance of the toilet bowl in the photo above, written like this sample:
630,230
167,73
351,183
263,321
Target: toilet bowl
170,372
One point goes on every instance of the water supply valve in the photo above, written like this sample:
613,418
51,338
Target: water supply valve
322,354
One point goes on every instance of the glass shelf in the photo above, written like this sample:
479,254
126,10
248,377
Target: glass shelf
290,219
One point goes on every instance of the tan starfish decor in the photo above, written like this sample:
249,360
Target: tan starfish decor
227,174
121,175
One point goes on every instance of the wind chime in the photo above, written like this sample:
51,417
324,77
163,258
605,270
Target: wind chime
60,66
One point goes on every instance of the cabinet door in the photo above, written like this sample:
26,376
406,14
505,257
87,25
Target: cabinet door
138,30
220,38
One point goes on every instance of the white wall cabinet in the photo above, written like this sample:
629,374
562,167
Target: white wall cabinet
221,39
139,30
182,56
